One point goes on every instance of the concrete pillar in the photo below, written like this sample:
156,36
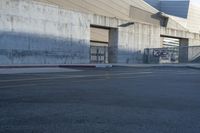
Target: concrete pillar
113,45
161,41
183,51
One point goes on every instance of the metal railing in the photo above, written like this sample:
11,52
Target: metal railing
182,54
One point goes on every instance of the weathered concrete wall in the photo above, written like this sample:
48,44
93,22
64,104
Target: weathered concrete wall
194,42
193,54
36,33
131,40
134,39
194,38
173,24
169,32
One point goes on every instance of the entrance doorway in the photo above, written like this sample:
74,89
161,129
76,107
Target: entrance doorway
103,44
98,53
99,45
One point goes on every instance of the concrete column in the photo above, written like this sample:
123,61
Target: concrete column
113,45
183,51
161,41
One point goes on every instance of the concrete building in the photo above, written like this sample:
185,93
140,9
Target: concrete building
86,31
186,12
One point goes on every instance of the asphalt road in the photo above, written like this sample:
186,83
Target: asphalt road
114,100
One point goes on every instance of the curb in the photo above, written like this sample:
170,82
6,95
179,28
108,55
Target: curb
159,66
27,66
88,65
194,67
151,66
100,66
61,66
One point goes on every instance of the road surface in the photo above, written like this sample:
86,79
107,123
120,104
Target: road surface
113,100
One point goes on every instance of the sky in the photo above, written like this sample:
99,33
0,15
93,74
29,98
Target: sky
196,1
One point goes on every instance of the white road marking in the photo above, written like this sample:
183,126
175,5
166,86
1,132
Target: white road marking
107,78
12,86
73,76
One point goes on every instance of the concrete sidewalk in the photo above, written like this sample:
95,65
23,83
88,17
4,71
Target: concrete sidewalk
35,70
16,69
194,66
56,65
98,65
47,68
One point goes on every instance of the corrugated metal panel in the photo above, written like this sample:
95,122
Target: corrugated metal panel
143,16
170,42
99,35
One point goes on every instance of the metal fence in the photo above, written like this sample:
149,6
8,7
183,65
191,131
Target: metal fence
172,55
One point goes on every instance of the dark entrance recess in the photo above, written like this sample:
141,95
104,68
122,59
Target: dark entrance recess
103,44
98,54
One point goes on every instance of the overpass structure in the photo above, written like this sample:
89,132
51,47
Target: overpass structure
86,31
